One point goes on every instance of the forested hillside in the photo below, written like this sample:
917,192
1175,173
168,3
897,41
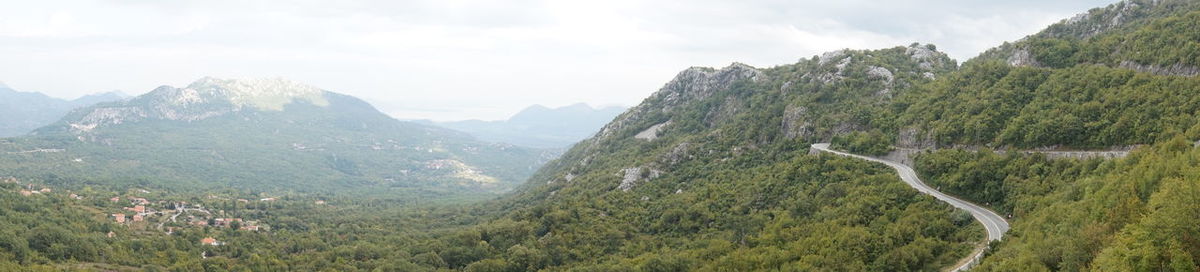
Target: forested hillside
1135,214
712,173
1121,75
1116,76
1068,214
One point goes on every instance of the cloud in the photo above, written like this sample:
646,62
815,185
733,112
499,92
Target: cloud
456,59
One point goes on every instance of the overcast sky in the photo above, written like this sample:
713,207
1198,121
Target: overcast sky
450,59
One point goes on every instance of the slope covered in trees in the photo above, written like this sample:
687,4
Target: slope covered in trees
711,173
1116,76
1121,75
1133,214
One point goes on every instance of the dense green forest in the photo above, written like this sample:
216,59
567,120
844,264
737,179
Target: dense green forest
812,212
1135,214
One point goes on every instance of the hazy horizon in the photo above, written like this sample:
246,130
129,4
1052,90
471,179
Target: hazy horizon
458,60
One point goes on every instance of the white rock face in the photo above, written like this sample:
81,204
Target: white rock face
795,123
692,84
632,175
1021,57
104,116
843,59
1109,17
1177,69
881,73
263,94
203,99
651,133
678,154
827,57
926,58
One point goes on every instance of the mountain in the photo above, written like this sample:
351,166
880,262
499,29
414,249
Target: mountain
713,172
1112,77
22,112
263,134
541,127
1115,78
1127,34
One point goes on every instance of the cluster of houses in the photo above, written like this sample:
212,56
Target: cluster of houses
141,212
139,209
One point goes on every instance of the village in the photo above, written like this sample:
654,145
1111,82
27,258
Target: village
141,214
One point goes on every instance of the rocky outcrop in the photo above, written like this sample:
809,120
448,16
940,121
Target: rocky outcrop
106,116
631,177
699,83
680,153
651,133
794,122
846,128
1098,21
927,58
877,72
842,58
727,109
693,84
1173,70
835,66
1021,57
880,73
912,138
262,94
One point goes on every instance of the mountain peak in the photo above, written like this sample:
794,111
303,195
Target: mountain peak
262,93
579,105
206,98
1116,15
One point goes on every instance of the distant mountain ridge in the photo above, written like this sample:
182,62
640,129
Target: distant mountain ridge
265,134
540,126
22,112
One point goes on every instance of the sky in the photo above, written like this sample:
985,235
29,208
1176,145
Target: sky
456,60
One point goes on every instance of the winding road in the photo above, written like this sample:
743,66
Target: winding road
994,223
